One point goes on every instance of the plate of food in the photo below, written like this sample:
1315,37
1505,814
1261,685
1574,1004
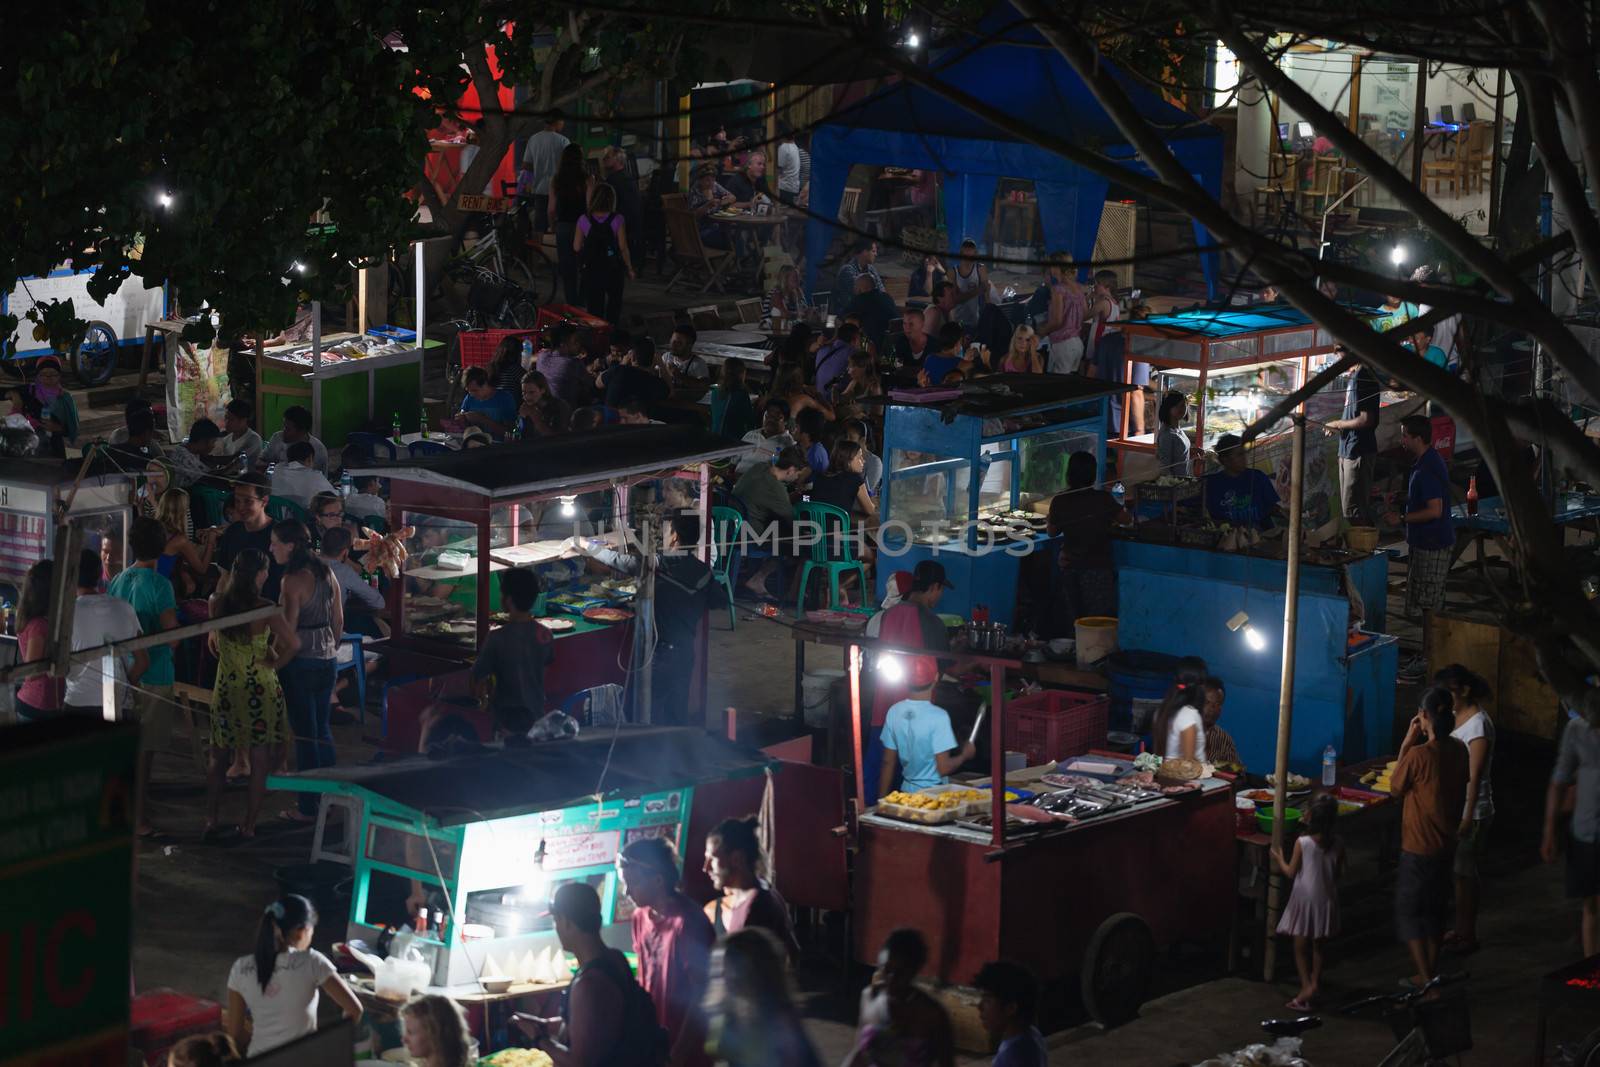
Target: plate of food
555,624
608,614
1298,783
1259,796
1178,769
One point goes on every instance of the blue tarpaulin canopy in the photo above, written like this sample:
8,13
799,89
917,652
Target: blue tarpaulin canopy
1019,73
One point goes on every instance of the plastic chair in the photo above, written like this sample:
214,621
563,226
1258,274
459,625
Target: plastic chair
834,526
726,525
357,663
363,447
429,448
281,507
210,501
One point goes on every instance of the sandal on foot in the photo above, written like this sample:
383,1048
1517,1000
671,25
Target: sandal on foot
1298,1005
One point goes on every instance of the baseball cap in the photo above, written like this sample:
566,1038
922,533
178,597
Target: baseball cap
924,672
927,573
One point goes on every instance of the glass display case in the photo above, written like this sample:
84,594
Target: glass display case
969,482
32,492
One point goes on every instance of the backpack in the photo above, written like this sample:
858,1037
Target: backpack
644,1042
600,251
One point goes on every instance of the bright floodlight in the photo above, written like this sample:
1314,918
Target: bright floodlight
891,668
164,199
569,507
299,267
913,41
1398,255
1253,638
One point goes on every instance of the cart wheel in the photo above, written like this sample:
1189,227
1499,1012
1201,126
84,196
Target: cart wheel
1116,969
94,358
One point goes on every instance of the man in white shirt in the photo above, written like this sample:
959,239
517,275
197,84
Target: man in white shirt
296,480
98,619
540,157
365,501
773,436
788,165
680,360
239,437
296,427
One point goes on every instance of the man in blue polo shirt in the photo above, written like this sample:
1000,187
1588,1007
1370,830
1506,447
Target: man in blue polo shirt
1238,493
1430,535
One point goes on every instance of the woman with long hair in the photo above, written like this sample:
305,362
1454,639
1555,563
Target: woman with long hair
1178,728
845,484
1023,356
39,697
736,863
505,367
861,381
248,713
1475,729
789,386
787,299
279,984
182,561
435,1032
314,611
1172,444
204,1050
569,195
753,1018
732,413
600,243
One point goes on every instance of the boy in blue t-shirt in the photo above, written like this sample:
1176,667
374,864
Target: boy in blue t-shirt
1430,533
917,736
1239,494
492,409
1007,1010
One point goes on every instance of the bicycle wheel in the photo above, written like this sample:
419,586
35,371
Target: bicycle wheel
523,312
94,357
1588,1054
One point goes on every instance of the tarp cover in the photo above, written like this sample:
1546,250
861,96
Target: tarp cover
1233,322
499,783
908,126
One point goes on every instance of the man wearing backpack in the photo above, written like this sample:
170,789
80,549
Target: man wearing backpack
606,1019
601,245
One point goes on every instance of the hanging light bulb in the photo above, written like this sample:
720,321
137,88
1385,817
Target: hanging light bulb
1253,638
569,506
913,41
891,668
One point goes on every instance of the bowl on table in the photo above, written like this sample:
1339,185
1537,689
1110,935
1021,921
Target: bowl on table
1291,819
495,983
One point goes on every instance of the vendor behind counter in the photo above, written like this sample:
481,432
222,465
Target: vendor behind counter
1238,493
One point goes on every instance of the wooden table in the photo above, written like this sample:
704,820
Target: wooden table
730,337
171,331
717,354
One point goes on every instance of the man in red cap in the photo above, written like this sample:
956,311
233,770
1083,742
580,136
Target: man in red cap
917,736
912,623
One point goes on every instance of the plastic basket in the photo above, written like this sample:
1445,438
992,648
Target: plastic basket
477,346
1055,724
161,1018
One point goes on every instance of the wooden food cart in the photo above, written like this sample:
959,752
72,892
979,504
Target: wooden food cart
968,479
32,492
478,511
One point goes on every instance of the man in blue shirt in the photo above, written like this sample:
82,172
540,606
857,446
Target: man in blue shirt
1358,443
485,406
917,736
1238,493
1009,1002
1430,535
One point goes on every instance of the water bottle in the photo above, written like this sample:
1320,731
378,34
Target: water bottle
527,352
1118,491
8,616
347,484
1330,767
244,463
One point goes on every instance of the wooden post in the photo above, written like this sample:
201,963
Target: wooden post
683,140
372,297
1291,617
1494,157
856,656
63,595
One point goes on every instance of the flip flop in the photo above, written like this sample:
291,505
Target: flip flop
1298,1005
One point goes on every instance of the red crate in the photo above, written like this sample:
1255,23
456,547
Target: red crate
596,331
477,346
163,1017
1055,723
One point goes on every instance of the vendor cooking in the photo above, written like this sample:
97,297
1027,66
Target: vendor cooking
918,743
1238,493
912,623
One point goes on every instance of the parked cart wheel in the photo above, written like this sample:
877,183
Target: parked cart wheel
1116,969
94,357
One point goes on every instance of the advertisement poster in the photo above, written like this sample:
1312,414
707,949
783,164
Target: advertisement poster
197,387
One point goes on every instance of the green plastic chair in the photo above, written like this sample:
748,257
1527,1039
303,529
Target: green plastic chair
726,524
833,552
380,523
211,502
281,507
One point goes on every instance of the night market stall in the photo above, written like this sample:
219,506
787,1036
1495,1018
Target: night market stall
465,516
32,494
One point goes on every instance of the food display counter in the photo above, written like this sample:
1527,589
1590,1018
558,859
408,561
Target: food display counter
346,380
1233,363
467,515
969,475
32,494
484,840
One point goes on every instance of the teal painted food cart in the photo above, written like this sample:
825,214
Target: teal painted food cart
485,837
968,479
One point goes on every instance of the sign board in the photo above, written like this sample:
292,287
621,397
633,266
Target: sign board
569,851
493,205
66,874
125,311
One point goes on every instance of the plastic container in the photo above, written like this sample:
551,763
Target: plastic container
1096,639
1055,724
477,346
1362,538
1138,681
1291,820
816,696
161,1018
1244,812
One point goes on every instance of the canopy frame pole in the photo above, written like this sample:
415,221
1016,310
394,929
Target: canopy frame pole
1291,619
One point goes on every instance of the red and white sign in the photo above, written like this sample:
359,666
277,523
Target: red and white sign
584,849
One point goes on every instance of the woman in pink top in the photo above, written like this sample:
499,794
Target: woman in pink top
601,245
1023,356
1067,309
40,696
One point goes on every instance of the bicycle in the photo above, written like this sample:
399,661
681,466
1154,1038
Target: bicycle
510,249
1429,1030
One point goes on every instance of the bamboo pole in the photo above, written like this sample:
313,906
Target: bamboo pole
133,644
1291,618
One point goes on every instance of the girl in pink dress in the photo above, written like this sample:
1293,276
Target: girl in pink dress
1312,915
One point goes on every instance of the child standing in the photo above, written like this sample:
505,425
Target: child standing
1312,915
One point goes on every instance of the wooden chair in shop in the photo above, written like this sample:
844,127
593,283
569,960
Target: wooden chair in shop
831,552
706,317
1446,167
1279,188
688,250
1326,186
749,309
1475,160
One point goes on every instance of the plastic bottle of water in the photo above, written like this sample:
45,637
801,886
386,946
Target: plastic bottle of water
347,484
1118,491
527,353
1330,766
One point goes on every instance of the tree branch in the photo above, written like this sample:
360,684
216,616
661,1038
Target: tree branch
1565,181
483,80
